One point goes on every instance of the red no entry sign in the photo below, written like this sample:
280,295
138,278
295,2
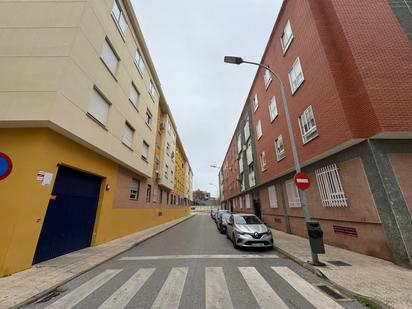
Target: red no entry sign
5,166
302,181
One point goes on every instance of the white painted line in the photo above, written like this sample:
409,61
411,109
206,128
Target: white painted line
77,295
217,292
307,290
265,296
128,290
171,292
199,256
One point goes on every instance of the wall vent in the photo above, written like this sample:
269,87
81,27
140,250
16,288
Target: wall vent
350,231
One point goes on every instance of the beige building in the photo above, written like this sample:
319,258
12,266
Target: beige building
79,104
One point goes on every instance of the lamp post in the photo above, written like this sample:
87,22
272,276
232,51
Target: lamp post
302,194
217,190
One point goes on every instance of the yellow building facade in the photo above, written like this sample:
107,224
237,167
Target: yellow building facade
79,118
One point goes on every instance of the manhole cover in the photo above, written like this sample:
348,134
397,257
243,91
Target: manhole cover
339,263
330,292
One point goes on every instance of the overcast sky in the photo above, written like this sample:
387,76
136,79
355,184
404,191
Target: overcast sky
187,40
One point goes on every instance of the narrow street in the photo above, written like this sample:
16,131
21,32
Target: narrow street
192,265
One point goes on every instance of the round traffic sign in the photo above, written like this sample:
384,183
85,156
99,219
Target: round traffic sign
5,166
302,181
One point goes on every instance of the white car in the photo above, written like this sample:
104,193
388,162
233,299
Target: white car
247,230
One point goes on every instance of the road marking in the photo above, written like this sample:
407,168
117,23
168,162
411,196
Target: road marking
264,294
80,293
200,256
217,292
128,290
171,291
307,290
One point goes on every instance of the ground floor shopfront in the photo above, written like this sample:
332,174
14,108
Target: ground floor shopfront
61,197
362,196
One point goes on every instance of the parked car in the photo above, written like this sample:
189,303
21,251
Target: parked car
247,230
219,212
213,213
221,222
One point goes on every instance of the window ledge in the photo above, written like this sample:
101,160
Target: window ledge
127,146
297,88
123,35
274,118
268,84
144,159
134,106
311,138
97,121
111,73
280,158
286,48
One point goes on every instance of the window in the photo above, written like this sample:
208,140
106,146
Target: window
307,125
152,89
280,149
251,176
241,163
242,182
249,156
286,37
99,107
239,143
246,129
259,132
128,134
167,148
134,189
149,118
255,102
273,200
134,95
296,76
293,194
263,161
330,187
138,60
148,193
145,151
109,57
247,201
167,171
119,18
267,77
273,109
241,202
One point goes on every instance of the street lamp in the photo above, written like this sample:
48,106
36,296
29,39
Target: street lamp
302,193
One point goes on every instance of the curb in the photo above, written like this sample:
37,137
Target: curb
374,302
51,289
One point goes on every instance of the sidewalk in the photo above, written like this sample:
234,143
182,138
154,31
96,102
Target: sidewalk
380,281
22,287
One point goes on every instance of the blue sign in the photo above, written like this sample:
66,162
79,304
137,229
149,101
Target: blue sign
5,166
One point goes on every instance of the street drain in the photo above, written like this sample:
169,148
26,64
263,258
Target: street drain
339,263
49,296
330,292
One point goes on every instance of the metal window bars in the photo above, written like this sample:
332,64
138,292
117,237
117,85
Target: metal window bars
330,187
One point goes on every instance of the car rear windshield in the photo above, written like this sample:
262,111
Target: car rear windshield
247,220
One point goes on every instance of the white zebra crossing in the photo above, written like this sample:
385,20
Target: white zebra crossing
217,295
126,292
171,292
307,290
265,296
217,292
77,295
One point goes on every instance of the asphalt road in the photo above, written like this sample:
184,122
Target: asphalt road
193,266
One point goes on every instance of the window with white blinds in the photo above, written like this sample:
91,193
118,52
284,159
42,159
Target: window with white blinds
280,149
246,129
134,95
239,143
145,151
109,57
259,132
247,201
99,107
293,194
330,187
267,77
286,37
296,77
263,163
273,200
241,202
118,16
255,102
128,134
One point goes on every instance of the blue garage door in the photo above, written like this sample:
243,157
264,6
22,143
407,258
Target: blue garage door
69,221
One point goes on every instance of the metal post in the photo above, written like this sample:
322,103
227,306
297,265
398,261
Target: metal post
302,193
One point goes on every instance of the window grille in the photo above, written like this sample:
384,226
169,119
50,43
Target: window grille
330,187
293,194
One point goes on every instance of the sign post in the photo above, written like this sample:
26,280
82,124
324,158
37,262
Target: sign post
6,166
